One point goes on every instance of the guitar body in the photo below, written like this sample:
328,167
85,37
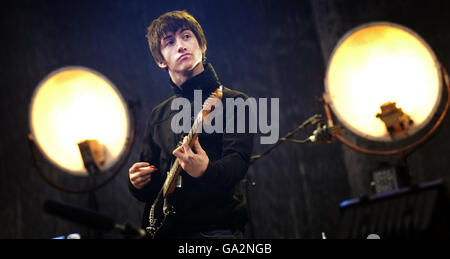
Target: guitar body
161,210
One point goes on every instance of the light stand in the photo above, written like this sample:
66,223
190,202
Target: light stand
400,170
375,67
92,154
321,134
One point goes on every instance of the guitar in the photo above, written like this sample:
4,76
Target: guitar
161,209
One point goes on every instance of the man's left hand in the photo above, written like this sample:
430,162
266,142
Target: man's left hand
194,164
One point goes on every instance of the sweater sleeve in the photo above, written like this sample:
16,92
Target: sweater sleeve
236,151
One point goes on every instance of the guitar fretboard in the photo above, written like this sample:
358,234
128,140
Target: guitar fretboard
169,184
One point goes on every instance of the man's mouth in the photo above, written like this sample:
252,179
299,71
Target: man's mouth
182,56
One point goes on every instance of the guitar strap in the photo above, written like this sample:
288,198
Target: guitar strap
154,225
167,209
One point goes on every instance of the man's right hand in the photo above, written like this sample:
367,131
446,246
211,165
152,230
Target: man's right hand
140,174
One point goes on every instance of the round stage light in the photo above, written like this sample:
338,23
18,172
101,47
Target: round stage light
74,104
383,82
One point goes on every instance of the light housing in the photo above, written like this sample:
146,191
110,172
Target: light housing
74,104
380,63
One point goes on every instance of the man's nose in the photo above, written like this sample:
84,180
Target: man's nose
181,47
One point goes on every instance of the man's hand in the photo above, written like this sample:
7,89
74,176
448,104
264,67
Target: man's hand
194,164
140,174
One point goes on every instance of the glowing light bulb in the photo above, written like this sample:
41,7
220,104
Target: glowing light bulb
379,63
75,104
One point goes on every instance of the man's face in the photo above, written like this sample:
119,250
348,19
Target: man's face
181,51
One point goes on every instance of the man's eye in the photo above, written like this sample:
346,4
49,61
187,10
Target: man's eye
187,36
170,42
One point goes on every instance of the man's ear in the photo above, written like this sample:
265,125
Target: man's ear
162,64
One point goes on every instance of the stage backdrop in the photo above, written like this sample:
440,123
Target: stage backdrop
270,49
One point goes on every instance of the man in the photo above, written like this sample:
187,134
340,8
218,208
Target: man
207,203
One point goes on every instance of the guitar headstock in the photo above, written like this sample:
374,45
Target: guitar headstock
218,93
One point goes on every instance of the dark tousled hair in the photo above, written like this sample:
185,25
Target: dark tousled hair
172,22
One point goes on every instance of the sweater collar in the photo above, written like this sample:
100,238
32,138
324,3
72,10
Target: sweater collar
207,81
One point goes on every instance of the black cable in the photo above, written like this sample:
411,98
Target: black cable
289,137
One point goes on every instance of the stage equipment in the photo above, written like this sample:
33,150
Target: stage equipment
81,124
384,84
91,218
386,87
420,212
321,134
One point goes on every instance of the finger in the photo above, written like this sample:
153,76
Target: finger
138,178
178,151
143,172
181,154
147,169
141,184
187,148
198,148
140,164
187,155
136,166
143,179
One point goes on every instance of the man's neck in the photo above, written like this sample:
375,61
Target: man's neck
179,78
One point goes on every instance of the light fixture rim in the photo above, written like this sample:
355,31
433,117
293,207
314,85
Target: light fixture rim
82,173
414,34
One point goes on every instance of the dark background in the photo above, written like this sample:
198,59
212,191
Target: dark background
273,49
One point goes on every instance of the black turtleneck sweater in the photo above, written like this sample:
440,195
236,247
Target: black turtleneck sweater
210,201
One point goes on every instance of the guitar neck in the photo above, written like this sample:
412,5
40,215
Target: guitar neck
175,170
